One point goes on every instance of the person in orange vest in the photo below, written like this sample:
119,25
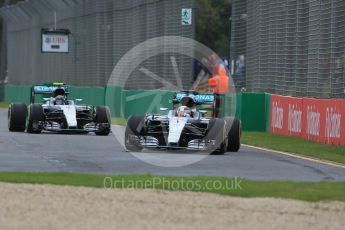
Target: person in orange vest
220,82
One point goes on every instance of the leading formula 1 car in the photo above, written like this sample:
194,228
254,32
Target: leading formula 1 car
185,127
58,113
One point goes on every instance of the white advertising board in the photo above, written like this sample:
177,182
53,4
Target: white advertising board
54,43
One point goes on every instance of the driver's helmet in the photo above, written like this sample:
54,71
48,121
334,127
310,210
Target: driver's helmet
59,92
188,101
184,111
59,100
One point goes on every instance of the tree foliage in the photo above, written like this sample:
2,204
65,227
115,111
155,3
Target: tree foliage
8,2
213,25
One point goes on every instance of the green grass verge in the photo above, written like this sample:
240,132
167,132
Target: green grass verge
118,121
3,105
295,145
306,191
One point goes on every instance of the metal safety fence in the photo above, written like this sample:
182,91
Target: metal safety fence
102,32
290,47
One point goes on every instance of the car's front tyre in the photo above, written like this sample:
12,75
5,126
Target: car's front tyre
234,134
217,132
134,128
35,116
17,117
103,119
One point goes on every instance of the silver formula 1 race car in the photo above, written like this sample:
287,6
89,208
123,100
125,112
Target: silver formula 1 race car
58,113
185,127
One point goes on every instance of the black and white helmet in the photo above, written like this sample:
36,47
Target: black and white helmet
184,111
60,100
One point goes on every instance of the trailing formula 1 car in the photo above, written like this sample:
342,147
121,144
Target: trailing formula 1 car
58,113
185,127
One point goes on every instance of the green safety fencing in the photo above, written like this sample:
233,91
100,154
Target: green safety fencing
17,94
92,96
113,99
252,108
2,92
146,101
21,93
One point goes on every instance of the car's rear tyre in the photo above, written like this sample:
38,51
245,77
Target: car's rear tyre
35,116
217,131
134,127
17,117
234,135
103,118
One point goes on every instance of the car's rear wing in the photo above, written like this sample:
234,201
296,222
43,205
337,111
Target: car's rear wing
198,98
212,102
47,89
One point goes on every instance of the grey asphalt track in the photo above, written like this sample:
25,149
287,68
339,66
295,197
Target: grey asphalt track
94,154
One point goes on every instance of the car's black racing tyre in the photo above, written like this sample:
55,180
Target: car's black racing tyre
217,131
35,115
234,135
17,117
102,116
135,127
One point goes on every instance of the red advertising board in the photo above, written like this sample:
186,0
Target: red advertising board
317,120
286,115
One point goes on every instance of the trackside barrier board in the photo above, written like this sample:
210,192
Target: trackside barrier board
319,120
